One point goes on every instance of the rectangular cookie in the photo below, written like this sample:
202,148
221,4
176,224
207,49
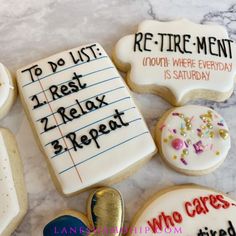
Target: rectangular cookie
84,117
13,195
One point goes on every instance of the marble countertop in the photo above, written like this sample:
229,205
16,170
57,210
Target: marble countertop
32,29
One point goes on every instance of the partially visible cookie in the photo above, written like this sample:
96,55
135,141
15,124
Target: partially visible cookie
187,210
193,140
178,60
104,217
8,91
13,196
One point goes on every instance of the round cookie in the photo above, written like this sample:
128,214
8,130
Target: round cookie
8,91
193,140
187,210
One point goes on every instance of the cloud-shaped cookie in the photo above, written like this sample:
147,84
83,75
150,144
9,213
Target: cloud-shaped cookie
178,60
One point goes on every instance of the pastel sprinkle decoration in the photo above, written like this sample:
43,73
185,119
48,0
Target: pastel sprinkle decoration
177,144
199,139
198,146
184,161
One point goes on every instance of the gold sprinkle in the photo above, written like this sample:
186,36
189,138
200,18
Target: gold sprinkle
200,134
165,140
187,120
174,157
212,134
189,141
170,136
185,152
181,115
224,133
209,126
189,126
217,153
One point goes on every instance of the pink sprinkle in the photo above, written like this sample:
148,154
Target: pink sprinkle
174,131
175,114
177,144
191,118
186,144
184,162
162,127
170,130
198,146
211,146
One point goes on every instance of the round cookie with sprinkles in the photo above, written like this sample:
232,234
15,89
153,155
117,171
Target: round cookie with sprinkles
193,140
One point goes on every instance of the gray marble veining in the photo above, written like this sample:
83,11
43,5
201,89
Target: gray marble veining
32,29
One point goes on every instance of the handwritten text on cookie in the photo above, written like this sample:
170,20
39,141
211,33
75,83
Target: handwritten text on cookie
195,208
76,110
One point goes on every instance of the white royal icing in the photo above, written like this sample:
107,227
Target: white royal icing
203,142
9,205
113,152
169,208
157,62
4,85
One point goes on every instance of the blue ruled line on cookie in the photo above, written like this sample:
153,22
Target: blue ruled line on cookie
63,136
119,144
84,75
132,121
108,91
59,71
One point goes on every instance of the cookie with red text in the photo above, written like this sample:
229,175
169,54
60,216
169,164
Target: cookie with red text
13,196
105,215
188,210
192,139
178,60
84,118
8,91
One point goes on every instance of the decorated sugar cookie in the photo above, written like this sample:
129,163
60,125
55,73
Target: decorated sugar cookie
13,197
186,210
193,139
84,117
8,91
178,60
104,217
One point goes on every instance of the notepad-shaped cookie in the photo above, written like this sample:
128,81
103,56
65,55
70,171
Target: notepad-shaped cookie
178,60
13,196
88,125
187,210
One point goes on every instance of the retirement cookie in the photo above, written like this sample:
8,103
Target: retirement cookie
104,217
13,196
193,139
8,91
186,210
178,60
84,117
